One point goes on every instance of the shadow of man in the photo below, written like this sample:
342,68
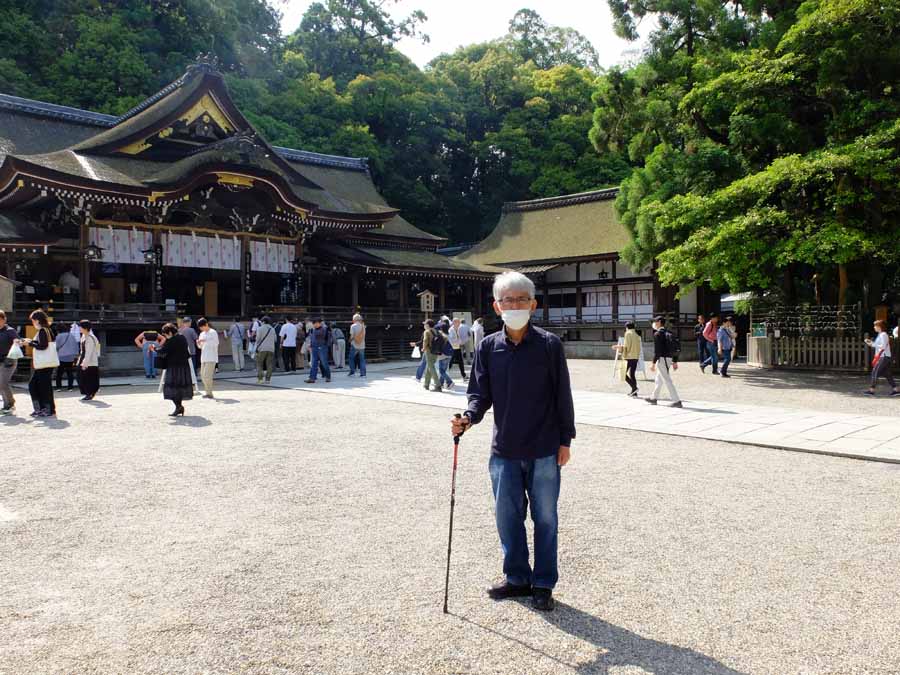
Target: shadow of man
622,648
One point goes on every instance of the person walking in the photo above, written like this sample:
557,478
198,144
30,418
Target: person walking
173,353
148,355
190,335
208,343
630,351
521,373
318,347
251,337
456,343
432,346
710,335
40,386
288,335
67,345
881,363
357,346
477,333
665,360
88,362
237,334
265,350
465,333
9,338
443,359
702,352
339,351
725,339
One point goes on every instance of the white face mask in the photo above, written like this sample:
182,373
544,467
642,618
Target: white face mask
516,318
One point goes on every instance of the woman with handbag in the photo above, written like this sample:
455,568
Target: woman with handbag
88,362
10,353
178,385
881,364
43,360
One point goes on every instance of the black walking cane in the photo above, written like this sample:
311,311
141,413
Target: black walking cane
452,505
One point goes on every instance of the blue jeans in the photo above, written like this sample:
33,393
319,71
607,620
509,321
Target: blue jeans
712,357
319,359
420,371
516,484
149,361
357,354
444,379
726,359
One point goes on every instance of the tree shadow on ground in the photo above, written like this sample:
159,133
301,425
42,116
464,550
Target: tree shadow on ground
619,647
837,382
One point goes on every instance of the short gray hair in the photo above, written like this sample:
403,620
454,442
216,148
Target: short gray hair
357,317
512,281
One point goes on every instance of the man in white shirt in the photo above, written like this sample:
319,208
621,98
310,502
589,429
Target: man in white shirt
464,333
208,342
456,342
288,335
478,332
237,333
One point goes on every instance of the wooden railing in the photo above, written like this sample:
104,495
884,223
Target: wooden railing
842,353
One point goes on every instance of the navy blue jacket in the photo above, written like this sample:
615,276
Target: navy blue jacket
528,387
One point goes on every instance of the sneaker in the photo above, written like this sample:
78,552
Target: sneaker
327,379
677,404
8,411
868,392
543,599
632,394
703,369
651,401
310,381
896,392
36,413
208,396
504,590
725,375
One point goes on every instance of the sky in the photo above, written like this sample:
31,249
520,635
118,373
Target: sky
453,23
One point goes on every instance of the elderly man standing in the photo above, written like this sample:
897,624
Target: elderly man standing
521,372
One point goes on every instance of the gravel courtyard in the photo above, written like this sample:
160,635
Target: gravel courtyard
277,531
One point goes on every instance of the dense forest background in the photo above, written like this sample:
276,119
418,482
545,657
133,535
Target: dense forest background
757,142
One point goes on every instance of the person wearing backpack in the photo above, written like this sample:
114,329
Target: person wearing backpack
665,360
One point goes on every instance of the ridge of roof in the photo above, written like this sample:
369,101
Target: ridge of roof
70,114
562,200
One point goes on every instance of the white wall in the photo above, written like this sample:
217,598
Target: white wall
591,271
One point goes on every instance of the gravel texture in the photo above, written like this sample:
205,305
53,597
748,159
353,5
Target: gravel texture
275,531
825,392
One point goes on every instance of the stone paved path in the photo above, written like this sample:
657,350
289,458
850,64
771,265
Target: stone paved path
845,435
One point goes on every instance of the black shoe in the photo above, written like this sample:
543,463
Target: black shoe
633,394
178,411
725,375
651,401
715,372
703,369
677,404
504,590
85,398
896,392
543,599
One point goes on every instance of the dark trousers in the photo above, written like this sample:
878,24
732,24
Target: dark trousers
69,369
883,369
630,376
457,358
726,360
89,380
41,389
196,359
289,355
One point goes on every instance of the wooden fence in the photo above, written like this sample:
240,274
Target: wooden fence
847,353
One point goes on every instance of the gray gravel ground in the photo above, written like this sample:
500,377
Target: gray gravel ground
278,531
829,392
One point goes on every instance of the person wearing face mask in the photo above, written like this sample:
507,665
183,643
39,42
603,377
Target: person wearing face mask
665,360
521,373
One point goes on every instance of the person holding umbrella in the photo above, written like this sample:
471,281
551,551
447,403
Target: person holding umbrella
521,372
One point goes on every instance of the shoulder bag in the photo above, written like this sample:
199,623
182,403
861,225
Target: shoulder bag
45,358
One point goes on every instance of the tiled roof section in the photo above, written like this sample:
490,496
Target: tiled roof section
63,113
564,200
542,231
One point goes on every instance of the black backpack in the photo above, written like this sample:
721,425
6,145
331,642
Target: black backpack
673,343
437,342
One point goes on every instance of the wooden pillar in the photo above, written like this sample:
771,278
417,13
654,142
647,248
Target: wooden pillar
546,299
84,277
354,290
403,293
442,296
246,277
320,291
615,295
578,312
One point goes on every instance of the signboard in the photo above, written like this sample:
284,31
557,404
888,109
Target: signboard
426,302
